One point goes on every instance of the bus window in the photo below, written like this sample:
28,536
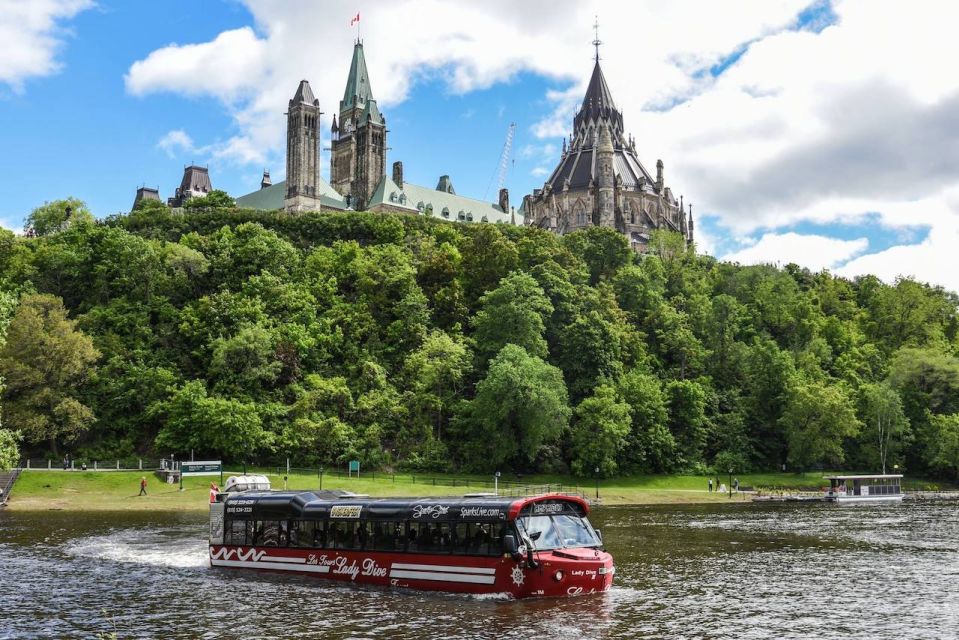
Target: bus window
240,532
388,536
302,533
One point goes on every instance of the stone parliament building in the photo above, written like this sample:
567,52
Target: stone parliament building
598,181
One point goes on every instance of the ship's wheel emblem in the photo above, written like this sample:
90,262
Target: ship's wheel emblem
518,576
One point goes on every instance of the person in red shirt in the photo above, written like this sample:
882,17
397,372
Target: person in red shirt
143,485
213,491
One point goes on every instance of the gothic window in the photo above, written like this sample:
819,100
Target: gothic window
392,196
469,216
446,212
402,198
485,219
461,215
429,209
580,213
420,206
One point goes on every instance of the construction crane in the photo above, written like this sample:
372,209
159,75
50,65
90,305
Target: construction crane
504,161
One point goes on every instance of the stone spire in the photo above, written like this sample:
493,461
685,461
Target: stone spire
358,159
302,150
358,91
689,225
266,181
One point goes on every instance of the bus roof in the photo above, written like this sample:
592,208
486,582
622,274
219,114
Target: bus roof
873,477
323,505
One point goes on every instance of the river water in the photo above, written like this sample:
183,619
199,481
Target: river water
718,571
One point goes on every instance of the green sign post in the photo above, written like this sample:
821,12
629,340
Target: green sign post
354,466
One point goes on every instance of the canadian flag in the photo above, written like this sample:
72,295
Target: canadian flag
355,19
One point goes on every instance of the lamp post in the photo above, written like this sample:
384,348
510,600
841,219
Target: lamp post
729,487
321,478
496,483
596,472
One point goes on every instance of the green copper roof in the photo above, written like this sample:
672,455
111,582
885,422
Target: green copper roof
271,198
358,89
445,206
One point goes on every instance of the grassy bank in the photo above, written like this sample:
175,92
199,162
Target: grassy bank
117,490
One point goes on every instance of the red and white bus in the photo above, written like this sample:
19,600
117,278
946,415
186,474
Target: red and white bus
542,545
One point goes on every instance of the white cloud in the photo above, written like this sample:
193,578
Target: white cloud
539,172
812,251
224,67
175,142
32,34
935,259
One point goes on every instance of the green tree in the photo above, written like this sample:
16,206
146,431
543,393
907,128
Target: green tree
45,362
908,314
885,426
244,363
212,425
57,216
600,432
817,418
944,447
650,446
216,199
687,418
149,206
515,312
9,453
488,257
603,250
437,370
520,406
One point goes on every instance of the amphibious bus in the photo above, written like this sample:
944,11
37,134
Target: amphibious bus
541,545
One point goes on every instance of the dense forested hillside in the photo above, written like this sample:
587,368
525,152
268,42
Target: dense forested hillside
414,342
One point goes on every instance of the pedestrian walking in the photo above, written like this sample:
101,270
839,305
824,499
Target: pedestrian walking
213,491
736,484
143,485
710,485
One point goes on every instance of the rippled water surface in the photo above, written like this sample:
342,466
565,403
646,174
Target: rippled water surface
736,571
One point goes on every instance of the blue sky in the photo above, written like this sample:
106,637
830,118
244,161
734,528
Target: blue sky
773,116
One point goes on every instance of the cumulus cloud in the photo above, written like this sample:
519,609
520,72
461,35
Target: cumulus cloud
813,251
32,34
175,142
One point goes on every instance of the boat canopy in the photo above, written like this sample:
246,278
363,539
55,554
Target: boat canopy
325,505
874,477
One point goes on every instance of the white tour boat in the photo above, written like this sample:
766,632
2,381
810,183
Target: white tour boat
878,488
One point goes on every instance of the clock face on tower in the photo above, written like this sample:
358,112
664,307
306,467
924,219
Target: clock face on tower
348,125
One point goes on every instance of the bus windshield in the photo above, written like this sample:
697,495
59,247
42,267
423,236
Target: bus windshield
558,531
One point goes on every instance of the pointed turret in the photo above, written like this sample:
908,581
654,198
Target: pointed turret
598,95
304,95
358,89
689,225
266,181
302,150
